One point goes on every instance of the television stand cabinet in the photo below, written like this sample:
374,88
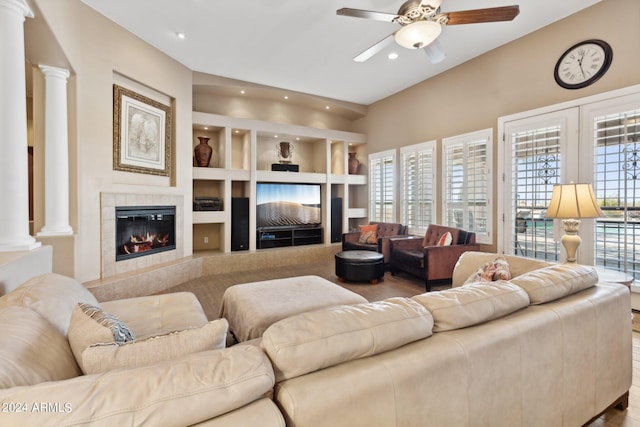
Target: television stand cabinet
279,238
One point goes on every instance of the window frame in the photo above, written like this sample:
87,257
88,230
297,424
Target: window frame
465,141
389,155
418,149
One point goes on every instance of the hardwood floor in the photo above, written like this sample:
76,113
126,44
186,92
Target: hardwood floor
209,291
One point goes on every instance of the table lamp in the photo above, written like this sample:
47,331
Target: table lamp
572,202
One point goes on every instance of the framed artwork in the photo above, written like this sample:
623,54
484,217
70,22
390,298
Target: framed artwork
141,133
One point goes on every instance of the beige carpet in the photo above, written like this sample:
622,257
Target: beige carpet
209,289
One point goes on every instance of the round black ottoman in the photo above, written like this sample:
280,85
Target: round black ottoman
360,266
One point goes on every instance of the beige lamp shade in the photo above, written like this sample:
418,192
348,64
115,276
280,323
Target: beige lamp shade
573,201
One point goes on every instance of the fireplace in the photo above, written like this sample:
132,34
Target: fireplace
144,230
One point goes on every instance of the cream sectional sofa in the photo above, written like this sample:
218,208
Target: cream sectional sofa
42,384
549,347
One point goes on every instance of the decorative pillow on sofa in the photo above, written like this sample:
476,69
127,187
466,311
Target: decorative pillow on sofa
101,342
472,304
497,269
105,357
445,239
32,350
97,349
556,281
368,234
318,339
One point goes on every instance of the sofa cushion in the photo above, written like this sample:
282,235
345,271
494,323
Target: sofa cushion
355,246
497,269
105,357
97,349
186,391
472,304
158,314
368,234
318,339
470,261
388,229
32,350
556,281
53,296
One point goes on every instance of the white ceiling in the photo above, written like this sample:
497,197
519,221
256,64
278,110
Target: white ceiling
303,46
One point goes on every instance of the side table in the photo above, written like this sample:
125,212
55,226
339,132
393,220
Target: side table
614,276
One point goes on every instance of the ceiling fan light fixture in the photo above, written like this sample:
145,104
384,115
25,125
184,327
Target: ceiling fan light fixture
418,34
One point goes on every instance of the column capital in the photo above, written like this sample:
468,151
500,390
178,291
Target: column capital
19,6
50,71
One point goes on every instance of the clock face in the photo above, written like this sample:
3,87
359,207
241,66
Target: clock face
583,64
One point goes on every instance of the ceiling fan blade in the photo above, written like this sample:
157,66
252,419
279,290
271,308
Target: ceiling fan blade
374,49
435,52
367,14
492,14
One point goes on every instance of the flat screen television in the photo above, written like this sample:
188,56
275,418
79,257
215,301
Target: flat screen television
286,205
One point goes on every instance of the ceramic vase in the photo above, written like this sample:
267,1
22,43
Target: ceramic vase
203,152
354,164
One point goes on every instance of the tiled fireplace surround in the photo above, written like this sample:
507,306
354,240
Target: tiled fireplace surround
109,202
157,272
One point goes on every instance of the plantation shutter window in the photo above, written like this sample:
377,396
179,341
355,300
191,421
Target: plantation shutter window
467,183
417,198
381,186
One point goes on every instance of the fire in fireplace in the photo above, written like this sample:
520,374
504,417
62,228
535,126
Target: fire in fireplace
144,230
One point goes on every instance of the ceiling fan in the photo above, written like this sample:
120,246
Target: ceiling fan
422,22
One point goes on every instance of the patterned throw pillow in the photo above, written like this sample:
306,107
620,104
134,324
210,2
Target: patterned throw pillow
445,239
91,325
498,269
120,331
368,234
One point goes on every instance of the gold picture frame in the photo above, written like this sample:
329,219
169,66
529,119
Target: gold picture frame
141,133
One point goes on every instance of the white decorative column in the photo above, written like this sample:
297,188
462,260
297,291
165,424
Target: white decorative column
14,173
56,159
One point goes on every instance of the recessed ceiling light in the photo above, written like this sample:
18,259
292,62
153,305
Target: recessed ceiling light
206,128
242,92
297,138
275,136
393,55
286,97
237,131
180,35
327,107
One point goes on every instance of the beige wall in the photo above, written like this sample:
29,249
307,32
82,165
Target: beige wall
513,78
98,50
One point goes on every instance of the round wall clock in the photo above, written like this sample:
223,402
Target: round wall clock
583,64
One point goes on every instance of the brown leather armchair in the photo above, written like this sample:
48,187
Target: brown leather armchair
425,259
385,231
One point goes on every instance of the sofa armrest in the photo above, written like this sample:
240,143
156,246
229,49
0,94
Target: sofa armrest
384,246
350,237
406,243
181,392
440,261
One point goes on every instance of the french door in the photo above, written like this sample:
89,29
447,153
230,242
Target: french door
539,153
597,143
613,132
